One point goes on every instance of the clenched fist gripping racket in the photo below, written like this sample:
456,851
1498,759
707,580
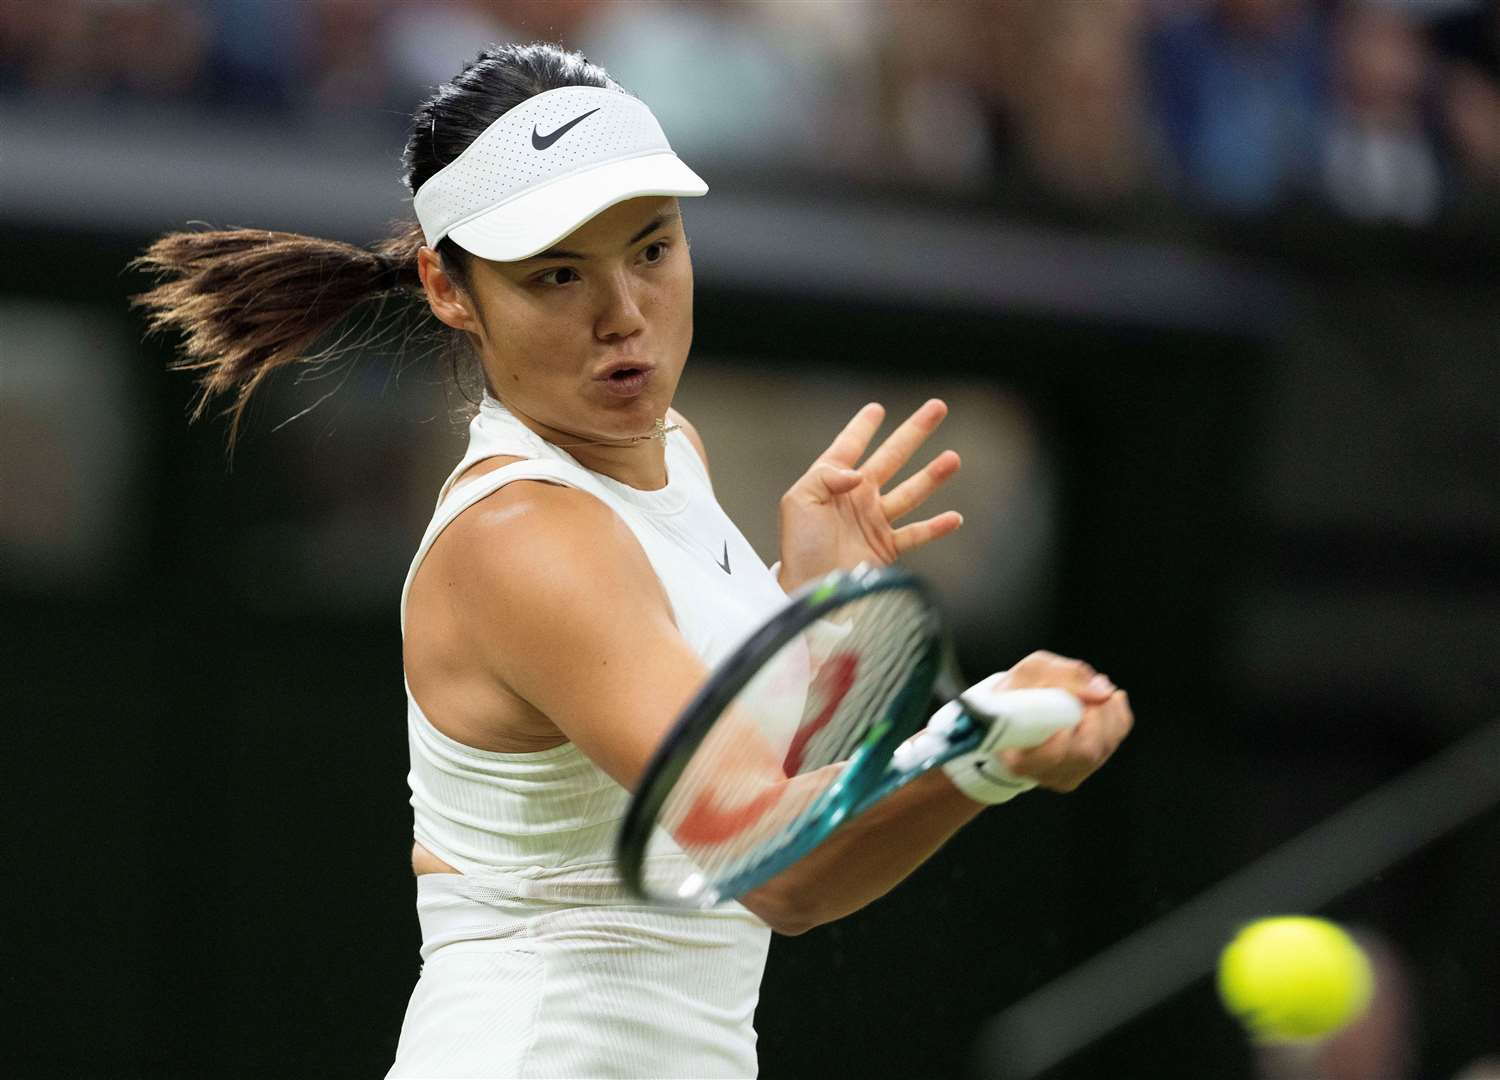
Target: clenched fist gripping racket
818,716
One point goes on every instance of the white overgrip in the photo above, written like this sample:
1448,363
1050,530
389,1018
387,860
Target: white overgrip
1018,720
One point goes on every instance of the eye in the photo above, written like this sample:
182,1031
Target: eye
549,277
659,248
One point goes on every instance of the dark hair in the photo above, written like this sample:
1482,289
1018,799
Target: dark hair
250,301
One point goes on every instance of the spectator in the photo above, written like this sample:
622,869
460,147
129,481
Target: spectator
720,77
152,49
1379,160
1239,88
426,43
258,53
1471,115
944,100
1081,126
346,61
1470,94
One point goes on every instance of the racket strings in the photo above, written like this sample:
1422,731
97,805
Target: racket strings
892,663
762,771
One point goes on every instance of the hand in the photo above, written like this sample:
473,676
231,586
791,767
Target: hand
835,517
1070,757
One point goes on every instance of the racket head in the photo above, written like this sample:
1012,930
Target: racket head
785,740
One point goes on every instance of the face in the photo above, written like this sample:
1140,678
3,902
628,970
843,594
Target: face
590,336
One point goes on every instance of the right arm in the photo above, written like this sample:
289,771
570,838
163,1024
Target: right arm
568,614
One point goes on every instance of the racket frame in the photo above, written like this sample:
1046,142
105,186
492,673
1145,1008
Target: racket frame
868,776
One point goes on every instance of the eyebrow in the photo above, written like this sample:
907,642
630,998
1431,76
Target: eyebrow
651,226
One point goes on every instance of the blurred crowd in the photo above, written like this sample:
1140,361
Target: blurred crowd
1381,110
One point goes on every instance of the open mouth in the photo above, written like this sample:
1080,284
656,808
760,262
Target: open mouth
626,381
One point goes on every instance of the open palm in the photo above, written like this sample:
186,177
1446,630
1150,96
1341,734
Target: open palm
836,516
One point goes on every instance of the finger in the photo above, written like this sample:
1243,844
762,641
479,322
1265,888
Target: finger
1053,769
914,491
1049,669
1097,689
1117,719
888,458
830,480
1070,757
1044,759
1032,659
1042,660
850,444
1092,744
910,537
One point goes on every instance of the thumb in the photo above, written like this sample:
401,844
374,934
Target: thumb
834,480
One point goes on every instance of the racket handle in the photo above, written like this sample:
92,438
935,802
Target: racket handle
1021,719
1017,720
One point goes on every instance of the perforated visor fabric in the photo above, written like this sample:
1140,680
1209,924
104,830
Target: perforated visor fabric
545,168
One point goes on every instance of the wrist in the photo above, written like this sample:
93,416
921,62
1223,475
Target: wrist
984,780
978,774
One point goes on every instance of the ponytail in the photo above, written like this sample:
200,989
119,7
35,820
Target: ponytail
249,301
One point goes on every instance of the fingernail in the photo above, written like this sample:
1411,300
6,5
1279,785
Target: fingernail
1100,684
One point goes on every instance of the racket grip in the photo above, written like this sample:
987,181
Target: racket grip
1018,720
1021,719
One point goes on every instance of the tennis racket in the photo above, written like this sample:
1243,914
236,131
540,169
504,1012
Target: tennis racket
816,717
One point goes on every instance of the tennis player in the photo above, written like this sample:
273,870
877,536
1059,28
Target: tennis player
578,579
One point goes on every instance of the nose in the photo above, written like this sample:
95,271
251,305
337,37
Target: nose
620,314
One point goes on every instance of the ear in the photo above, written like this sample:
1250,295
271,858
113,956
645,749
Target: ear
447,301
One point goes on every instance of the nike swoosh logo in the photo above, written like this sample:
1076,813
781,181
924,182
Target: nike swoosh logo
541,142
724,566
995,778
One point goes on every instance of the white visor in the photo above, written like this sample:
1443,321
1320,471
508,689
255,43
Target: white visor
547,166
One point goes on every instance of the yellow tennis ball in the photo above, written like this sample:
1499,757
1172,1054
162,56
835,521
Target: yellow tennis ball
1294,978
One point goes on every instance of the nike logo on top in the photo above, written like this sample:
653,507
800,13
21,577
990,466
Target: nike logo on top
724,565
541,142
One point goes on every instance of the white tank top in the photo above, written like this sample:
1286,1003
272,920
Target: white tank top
628,990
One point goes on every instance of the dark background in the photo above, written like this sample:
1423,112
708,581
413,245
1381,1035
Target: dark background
211,829
1275,468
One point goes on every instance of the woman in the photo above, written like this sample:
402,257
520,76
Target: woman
578,579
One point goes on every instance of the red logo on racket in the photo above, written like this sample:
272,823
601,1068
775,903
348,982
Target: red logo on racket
833,681
706,823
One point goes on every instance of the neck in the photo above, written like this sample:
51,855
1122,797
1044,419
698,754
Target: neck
639,461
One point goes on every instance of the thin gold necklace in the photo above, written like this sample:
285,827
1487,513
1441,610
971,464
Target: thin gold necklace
660,429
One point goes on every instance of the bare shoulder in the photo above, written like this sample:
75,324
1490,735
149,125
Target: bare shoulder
553,597
675,417
536,538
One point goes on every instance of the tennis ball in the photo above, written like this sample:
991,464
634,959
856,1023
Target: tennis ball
1294,978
